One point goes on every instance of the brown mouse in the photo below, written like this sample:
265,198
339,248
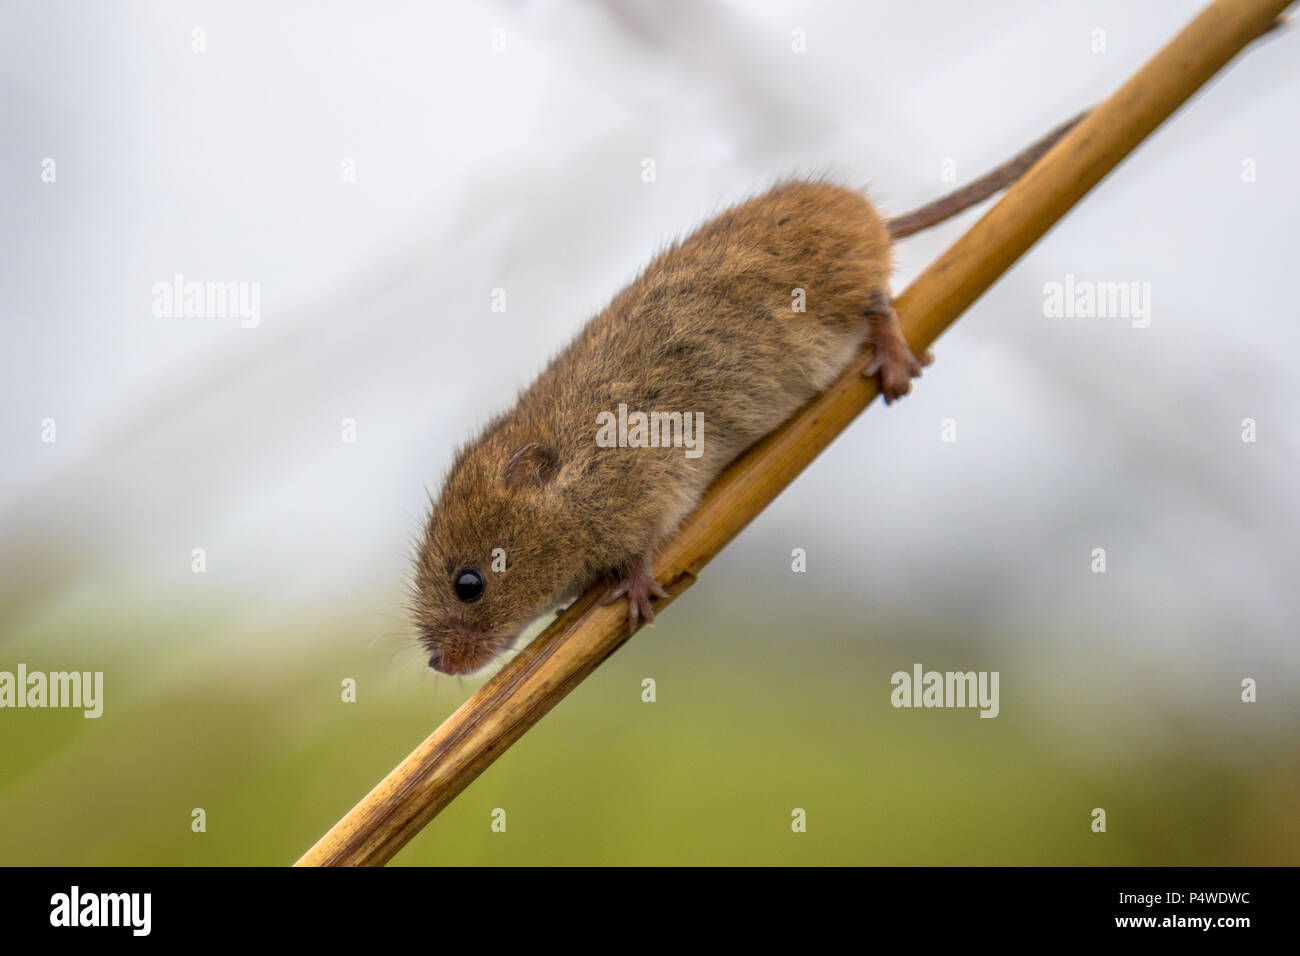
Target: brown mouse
719,340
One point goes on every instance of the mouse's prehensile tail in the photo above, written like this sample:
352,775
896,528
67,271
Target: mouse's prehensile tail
933,213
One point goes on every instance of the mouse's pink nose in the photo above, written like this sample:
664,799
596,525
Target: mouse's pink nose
461,652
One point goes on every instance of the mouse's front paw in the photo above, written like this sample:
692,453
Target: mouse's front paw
637,585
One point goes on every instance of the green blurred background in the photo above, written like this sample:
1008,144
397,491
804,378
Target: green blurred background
752,719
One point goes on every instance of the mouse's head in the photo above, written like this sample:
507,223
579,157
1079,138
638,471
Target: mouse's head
489,561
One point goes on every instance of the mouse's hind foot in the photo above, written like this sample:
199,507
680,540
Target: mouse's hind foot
892,365
637,584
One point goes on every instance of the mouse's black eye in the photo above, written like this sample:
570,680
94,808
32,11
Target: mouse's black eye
469,585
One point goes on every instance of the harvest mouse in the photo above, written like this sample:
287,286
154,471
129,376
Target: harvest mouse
719,340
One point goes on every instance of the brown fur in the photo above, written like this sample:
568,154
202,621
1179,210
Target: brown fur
707,327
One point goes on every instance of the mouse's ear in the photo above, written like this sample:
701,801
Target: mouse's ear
532,465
